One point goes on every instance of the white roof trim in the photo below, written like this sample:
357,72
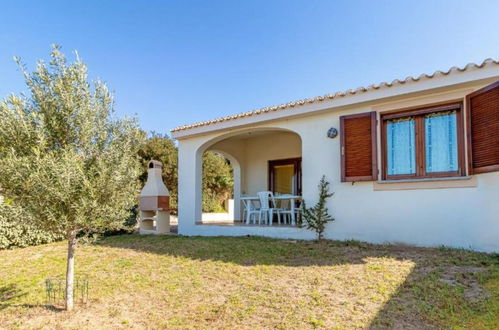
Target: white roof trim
489,68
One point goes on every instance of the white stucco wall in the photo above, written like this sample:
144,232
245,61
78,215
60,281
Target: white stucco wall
260,150
466,217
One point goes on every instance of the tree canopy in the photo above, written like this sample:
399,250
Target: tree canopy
64,157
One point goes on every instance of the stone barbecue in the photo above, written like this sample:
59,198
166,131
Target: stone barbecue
154,202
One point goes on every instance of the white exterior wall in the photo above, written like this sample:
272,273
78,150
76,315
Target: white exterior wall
466,215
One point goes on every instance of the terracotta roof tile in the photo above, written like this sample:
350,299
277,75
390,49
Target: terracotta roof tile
337,94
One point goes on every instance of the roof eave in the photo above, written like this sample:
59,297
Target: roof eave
469,75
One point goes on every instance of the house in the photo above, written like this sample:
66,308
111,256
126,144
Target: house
416,161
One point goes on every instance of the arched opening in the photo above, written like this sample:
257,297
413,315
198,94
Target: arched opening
218,182
262,160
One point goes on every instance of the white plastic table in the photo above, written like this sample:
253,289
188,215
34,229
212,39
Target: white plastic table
292,202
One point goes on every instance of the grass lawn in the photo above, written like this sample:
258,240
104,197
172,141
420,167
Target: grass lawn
226,282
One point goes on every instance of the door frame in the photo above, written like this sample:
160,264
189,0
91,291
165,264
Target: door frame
297,172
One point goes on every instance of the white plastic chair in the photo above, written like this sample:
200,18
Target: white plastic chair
286,211
268,207
289,211
249,210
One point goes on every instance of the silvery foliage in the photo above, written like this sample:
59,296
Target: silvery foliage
64,157
18,230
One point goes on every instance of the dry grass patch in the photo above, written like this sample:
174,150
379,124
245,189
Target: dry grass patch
226,282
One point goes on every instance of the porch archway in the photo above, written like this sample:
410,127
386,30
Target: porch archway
249,151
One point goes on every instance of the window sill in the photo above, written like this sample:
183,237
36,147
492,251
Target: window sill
427,183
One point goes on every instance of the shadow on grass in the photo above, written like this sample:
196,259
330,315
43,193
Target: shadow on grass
423,300
8,294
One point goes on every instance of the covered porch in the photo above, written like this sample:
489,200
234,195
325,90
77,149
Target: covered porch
262,159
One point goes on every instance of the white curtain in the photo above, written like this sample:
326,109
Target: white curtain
441,142
401,148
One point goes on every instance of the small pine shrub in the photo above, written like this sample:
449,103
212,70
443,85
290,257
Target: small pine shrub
317,217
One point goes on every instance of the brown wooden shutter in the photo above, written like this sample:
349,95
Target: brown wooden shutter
482,110
358,147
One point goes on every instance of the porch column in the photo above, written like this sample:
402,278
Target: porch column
189,186
236,170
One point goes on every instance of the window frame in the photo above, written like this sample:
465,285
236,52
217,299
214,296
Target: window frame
420,139
288,161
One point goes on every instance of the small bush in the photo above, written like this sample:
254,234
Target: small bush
16,229
317,217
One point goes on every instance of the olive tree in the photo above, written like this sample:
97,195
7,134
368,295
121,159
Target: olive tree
65,158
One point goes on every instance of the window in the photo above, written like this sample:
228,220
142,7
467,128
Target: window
401,146
285,176
423,143
441,142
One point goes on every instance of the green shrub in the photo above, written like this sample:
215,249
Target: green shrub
317,217
218,182
16,229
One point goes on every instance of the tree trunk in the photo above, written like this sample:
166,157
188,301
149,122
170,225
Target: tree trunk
70,270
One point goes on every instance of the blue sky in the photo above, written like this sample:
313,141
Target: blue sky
178,62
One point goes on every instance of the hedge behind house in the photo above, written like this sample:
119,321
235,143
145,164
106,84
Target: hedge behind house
16,230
